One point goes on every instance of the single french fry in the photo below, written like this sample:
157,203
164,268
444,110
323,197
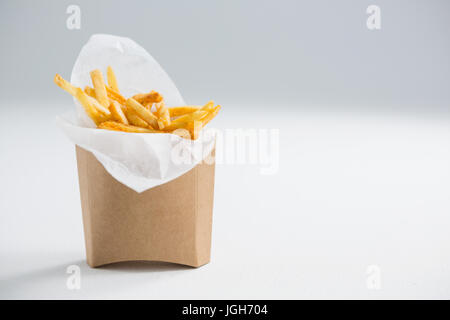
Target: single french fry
163,114
99,87
89,91
65,85
83,98
142,112
209,106
115,95
135,120
179,111
117,113
144,98
112,81
116,126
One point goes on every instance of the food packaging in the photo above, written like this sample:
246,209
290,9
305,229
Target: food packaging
143,196
171,222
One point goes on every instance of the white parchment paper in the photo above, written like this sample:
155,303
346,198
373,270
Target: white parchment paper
139,160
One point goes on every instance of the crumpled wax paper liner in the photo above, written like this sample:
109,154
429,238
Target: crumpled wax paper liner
138,160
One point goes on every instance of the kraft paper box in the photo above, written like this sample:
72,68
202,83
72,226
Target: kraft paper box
144,196
171,222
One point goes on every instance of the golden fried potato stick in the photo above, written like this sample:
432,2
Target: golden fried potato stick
179,111
194,129
115,95
135,120
209,106
144,98
99,87
83,98
183,121
137,110
196,126
116,126
148,106
182,133
142,112
210,115
64,84
67,86
117,112
112,80
89,91
98,106
163,114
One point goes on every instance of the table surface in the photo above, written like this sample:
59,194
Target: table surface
358,208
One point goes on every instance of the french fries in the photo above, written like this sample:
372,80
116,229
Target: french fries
208,107
196,126
182,121
193,116
93,103
163,115
83,98
106,106
210,116
145,98
116,126
65,85
112,94
179,111
99,87
98,106
135,120
142,112
89,91
112,81
117,113
148,106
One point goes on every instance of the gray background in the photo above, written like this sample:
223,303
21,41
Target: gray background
364,147
315,53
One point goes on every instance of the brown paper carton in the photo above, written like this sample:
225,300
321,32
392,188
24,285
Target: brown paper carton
171,222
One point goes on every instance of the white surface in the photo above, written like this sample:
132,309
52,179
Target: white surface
357,190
